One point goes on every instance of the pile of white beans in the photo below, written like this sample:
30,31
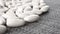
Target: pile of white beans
16,13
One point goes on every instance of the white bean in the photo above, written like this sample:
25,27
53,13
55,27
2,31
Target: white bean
44,8
26,1
37,12
3,9
9,14
10,4
35,2
22,15
19,10
2,20
31,18
28,9
2,29
1,3
41,1
15,22
42,4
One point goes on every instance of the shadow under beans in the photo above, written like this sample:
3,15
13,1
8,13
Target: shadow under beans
44,13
